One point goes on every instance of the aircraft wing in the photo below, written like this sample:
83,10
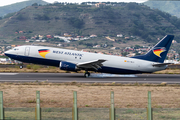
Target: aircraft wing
95,64
161,64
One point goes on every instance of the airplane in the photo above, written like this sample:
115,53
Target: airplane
71,60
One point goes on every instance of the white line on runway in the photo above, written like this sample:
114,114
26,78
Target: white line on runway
9,73
52,81
22,80
120,81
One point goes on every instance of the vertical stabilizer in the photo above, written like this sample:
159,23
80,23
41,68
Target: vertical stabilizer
159,51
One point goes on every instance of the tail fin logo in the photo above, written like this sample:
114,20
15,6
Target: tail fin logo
158,51
43,52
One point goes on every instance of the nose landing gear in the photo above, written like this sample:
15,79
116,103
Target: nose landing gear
20,65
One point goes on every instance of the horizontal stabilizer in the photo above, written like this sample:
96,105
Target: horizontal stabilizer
161,64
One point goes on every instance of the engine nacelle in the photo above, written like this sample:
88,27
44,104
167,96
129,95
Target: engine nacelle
67,66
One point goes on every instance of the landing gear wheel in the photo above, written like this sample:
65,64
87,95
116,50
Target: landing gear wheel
86,74
20,66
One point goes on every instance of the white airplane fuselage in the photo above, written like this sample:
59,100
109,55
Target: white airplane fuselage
54,56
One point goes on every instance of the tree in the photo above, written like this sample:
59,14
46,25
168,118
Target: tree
153,17
135,31
117,48
76,22
42,17
137,46
35,4
21,17
124,53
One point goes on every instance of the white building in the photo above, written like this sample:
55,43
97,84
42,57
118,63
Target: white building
119,35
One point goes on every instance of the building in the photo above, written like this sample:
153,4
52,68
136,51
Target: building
20,31
49,36
96,46
22,38
119,35
67,35
40,37
93,36
100,4
12,46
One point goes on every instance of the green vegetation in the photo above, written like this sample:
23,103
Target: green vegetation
125,18
162,5
4,57
42,17
9,15
18,6
76,22
21,17
34,67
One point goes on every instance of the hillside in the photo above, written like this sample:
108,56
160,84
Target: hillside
4,10
129,19
170,6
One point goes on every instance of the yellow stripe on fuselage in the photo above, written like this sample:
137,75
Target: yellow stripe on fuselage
43,54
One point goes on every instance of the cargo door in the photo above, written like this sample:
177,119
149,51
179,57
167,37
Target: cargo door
27,50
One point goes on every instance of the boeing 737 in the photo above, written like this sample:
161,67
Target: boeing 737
71,60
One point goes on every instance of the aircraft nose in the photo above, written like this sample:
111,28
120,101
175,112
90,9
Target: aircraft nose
7,52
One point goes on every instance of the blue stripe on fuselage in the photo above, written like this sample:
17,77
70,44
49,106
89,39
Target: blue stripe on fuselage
34,60
55,63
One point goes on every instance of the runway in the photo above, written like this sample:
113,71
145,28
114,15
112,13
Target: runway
99,78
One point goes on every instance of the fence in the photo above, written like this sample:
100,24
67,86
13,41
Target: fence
75,113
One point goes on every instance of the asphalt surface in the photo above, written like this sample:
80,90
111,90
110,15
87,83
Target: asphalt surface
99,78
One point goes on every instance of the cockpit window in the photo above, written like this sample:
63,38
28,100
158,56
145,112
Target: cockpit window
16,49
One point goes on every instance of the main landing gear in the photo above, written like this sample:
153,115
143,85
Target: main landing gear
21,66
86,74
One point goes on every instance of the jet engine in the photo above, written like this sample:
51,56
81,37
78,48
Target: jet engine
68,66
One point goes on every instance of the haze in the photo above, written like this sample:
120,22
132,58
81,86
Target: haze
8,2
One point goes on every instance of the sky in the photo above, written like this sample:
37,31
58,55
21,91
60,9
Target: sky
8,2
